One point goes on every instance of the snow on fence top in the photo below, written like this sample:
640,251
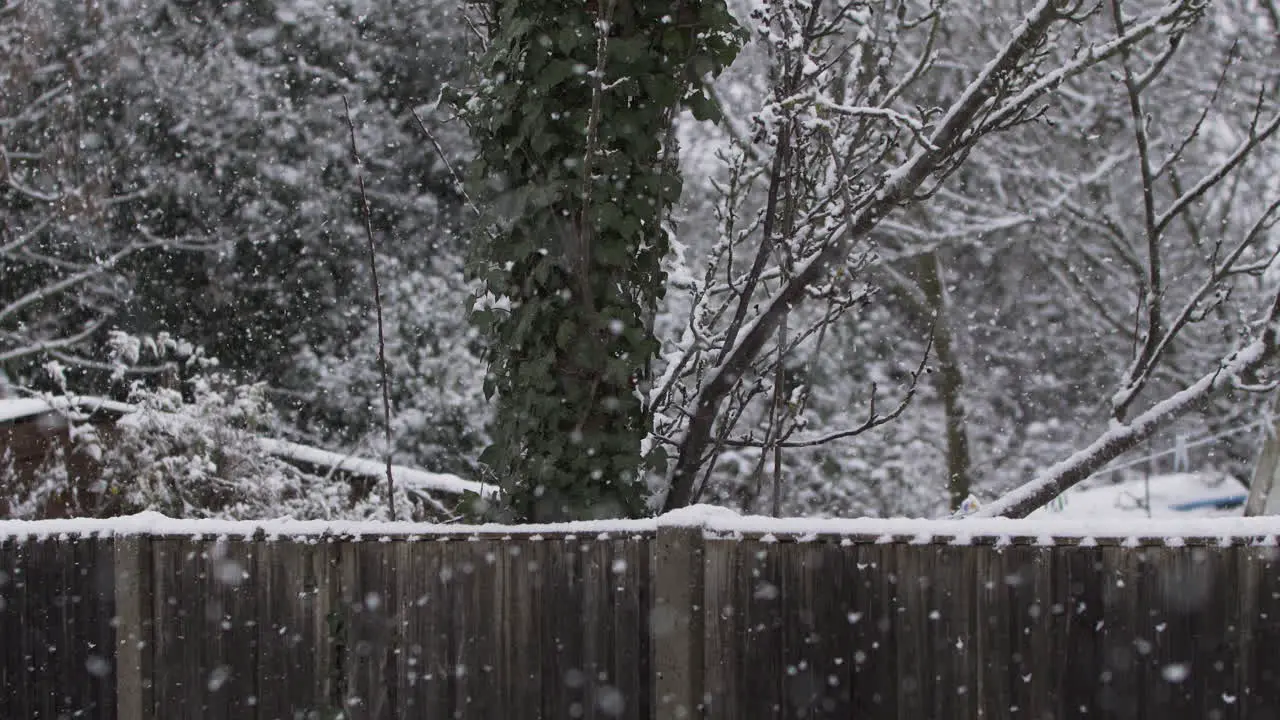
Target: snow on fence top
716,523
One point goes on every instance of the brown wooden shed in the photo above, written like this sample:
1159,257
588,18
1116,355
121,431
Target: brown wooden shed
36,434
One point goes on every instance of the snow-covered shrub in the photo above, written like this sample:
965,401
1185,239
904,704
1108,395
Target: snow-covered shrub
186,442
197,459
204,459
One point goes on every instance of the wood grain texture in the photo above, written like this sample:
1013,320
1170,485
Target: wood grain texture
565,626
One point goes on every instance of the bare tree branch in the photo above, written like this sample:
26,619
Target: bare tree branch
958,128
1125,436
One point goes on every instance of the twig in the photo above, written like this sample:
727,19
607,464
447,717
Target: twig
453,174
873,420
377,301
1153,298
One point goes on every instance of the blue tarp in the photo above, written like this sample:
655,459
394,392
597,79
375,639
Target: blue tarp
1222,503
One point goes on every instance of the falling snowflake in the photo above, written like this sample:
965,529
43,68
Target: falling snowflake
1175,672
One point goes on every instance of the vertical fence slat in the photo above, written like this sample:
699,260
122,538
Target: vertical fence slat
525,569
453,631
1041,662
951,627
1075,613
11,673
910,586
135,643
804,684
846,609
992,640
1023,611
479,617
409,668
295,659
182,610
1261,601
556,570
633,616
598,580
760,593
874,650
594,627
231,570
677,621
42,576
368,604
1220,689
421,673
100,625
721,658
1187,625
279,586
164,651
833,599
1122,674
31,632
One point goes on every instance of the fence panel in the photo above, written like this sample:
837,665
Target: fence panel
56,632
298,629
1260,613
205,615
567,626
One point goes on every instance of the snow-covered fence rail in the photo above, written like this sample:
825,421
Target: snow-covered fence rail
739,617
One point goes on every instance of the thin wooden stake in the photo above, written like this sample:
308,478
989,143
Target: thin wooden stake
377,301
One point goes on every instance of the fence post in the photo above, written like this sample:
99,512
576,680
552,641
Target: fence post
676,623
134,627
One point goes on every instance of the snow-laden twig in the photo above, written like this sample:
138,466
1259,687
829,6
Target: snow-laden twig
1172,13
43,346
47,291
913,125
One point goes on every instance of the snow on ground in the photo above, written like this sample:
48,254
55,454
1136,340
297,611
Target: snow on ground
1179,495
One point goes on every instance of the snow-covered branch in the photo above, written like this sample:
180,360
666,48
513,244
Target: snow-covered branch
1231,372
862,191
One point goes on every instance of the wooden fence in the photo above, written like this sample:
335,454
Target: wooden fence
663,624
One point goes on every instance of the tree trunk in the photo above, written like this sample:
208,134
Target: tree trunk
949,379
1263,498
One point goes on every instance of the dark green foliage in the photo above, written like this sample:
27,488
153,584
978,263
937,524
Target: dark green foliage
203,143
578,170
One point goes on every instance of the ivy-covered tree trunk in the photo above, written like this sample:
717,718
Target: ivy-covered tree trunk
578,171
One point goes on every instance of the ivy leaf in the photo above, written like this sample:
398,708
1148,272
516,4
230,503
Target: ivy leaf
703,108
566,333
657,458
556,72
